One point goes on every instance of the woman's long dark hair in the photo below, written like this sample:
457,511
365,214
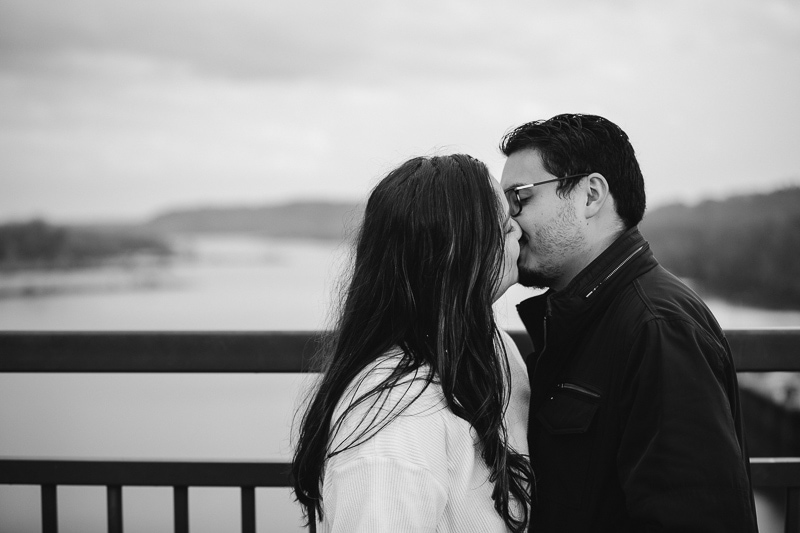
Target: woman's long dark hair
428,259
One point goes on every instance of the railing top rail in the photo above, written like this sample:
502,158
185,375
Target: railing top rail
775,471
756,350
158,351
766,472
21,471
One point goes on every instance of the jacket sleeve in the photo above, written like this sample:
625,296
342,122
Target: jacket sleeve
680,461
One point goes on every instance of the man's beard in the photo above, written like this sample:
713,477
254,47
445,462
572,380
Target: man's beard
538,276
534,279
549,250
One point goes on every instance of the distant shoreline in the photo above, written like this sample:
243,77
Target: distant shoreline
743,249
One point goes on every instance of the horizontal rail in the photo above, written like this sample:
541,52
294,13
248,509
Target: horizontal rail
759,350
765,472
765,350
156,351
24,471
775,472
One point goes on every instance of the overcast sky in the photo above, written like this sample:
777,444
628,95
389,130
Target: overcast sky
122,109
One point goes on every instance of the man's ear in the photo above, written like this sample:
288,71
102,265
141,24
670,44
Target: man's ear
597,194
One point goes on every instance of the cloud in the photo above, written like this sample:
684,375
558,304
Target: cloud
383,41
157,102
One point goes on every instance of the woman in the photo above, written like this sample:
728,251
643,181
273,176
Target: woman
419,421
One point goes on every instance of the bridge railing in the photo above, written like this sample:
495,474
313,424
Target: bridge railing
763,350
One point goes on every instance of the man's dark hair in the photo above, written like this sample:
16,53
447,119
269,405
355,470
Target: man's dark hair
573,144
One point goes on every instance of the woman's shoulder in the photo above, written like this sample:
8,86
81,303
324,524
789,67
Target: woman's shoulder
391,385
384,395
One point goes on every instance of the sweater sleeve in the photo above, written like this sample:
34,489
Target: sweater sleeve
382,494
680,462
395,480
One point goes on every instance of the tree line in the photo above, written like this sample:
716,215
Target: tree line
745,249
38,244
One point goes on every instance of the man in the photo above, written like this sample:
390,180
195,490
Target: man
634,418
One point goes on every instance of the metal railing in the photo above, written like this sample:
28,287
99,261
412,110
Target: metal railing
270,352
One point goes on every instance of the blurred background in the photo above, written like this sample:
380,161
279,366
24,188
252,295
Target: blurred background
175,165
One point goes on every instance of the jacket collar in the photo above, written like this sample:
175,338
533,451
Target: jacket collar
570,311
628,257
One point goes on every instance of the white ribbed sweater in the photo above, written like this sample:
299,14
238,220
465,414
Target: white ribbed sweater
422,471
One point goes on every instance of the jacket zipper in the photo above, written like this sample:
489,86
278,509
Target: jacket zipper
614,271
547,312
578,388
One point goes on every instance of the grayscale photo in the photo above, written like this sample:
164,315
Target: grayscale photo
399,266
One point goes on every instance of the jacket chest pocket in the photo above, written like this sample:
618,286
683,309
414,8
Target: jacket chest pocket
567,444
570,409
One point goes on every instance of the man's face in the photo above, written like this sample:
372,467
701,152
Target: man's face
552,239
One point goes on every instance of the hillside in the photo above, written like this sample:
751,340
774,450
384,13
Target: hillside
311,220
745,248
37,244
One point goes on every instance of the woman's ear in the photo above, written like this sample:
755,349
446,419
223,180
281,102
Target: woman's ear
597,194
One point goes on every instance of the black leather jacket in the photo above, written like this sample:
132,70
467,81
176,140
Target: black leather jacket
634,418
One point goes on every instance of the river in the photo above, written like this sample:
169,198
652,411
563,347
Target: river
215,283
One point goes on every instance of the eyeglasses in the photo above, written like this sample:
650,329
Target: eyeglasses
515,199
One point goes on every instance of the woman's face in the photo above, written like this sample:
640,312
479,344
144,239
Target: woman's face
512,233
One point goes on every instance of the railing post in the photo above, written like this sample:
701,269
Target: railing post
248,510
114,493
792,510
181,509
49,509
